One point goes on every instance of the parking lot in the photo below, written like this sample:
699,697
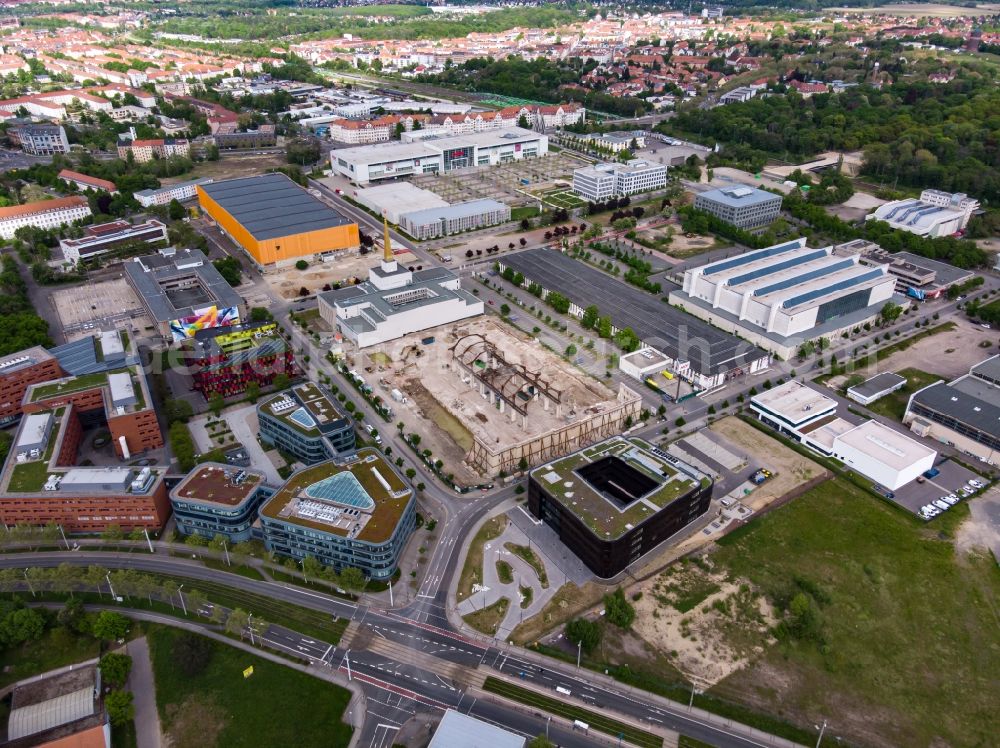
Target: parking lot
952,477
84,309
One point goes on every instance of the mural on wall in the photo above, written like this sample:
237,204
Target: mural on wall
202,319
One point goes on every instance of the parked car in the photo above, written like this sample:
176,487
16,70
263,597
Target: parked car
942,505
949,501
976,483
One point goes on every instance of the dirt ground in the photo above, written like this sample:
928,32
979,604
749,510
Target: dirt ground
231,167
856,207
707,625
287,282
923,9
789,467
437,394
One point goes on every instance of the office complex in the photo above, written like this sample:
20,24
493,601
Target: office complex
392,199
144,151
225,359
43,214
20,370
600,182
616,501
39,140
964,413
783,295
215,499
742,206
179,191
182,292
276,221
395,302
429,223
306,422
936,213
433,155
102,238
352,512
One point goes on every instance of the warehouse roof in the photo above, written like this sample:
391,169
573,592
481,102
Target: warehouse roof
969,400
270,206
660,325
459,730
458,210
878,385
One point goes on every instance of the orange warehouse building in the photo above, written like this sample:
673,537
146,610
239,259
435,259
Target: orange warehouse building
275,220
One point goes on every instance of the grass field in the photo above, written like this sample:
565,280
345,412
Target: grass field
219,707
58,646
532,559
487,619
906,651
893,405
561,198
596,720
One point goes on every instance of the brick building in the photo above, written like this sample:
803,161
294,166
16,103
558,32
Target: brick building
20,370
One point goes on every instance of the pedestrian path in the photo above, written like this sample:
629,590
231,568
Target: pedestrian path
143,688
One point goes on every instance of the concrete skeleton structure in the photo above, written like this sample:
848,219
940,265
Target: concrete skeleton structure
434,155
395,302
600,182
935,214
784,295
743,206
964,413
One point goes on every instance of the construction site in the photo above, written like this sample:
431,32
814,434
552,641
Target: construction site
495,400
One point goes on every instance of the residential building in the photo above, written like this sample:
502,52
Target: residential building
102,238
395,302
43,214
224,359
216,499
351,512
616,501
616,142
39,140
963,413
784,295
935,214
181,191
228,136
422,153
307,422
276,221
144,151
182,292
86,182
20,370
600,182
742,206
429,223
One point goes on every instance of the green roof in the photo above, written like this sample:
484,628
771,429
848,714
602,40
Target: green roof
607,518
85,382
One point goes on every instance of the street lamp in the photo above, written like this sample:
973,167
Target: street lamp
250,627
110,586
822,729
180,594
26,579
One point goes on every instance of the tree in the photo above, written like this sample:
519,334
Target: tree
110,626
115,668
571,350
260,314
619,611
311,567
301,265
590,317
22,625
302,151
352,579
236,622
522,121
230,269
212,152
120,708
584,632
216,403
192,653
540,741
175,210
890,313
504,310
281,381
253,392
112,533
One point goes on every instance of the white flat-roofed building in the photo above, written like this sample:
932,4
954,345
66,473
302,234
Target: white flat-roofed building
394,199
782,296
43,214
936,213
457,730
33,436
643,363
454,219
883,454
876,387
740,205
86,479
103,238
792,407
370,163
602,181
181,191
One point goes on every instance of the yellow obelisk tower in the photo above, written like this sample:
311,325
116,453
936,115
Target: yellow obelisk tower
387,251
